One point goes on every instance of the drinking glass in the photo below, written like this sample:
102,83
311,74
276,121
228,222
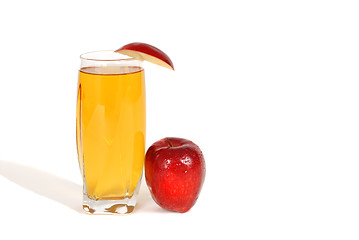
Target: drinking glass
110,131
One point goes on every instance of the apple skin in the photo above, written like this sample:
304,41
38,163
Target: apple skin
147,52
175,171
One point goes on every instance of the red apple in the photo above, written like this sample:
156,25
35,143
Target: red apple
175,171
146,52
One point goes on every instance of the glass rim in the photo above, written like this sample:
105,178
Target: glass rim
83,56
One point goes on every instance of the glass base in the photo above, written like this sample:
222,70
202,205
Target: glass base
110,206
113,206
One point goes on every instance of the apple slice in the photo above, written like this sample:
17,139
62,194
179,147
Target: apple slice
146,52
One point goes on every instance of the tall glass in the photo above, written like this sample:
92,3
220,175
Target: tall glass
110,130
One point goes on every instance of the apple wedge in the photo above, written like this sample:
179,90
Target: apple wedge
146,52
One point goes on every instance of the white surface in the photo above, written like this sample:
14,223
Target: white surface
267,89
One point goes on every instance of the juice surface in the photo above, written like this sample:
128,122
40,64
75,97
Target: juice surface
111,128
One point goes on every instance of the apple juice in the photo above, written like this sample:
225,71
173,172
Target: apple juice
111,128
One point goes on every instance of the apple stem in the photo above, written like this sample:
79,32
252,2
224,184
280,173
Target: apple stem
168,141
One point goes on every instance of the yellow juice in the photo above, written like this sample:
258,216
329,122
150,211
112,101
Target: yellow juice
111,128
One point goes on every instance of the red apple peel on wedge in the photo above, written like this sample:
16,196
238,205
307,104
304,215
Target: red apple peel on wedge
144,51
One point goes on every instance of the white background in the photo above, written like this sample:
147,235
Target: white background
269,90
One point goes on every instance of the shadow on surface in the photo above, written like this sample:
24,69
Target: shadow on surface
44,184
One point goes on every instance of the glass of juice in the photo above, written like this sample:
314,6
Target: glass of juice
110,131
